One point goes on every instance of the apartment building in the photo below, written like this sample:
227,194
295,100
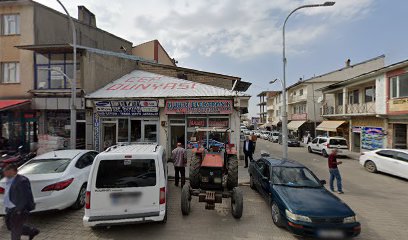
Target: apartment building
305,100
262,108
370,109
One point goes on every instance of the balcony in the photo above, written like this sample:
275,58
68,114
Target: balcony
270,107
297,98
351,109
298,117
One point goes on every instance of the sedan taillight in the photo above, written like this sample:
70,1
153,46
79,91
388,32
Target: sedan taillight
88,200
58,186
2,190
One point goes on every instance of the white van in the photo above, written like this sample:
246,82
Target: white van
127,184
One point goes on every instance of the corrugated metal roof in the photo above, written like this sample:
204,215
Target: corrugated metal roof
141,84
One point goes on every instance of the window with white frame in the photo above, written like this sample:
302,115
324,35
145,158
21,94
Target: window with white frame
399,86
369,94
10,24
300,92
10,72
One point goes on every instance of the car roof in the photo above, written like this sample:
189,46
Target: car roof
134,148
276,162
392,149
71,154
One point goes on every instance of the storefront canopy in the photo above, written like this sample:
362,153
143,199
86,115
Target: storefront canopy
141,84
9,104
294,125
329,126
275,123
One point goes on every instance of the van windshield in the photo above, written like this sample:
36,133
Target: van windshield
126,173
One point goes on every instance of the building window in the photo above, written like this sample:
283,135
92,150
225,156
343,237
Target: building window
340,99
300,92
10,72
61,64
354,97
369,94
399,86
10,24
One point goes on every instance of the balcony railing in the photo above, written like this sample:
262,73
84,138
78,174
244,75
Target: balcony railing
353,109
360,108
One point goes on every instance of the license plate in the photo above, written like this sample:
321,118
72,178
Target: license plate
336,234
339,151
125,198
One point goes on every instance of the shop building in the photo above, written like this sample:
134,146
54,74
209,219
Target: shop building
370,110
148,107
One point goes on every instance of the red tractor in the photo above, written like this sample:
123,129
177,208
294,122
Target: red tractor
213,172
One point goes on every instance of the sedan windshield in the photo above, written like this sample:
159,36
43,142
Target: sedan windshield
45,166
294,177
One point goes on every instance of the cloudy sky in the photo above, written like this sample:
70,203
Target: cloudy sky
243,37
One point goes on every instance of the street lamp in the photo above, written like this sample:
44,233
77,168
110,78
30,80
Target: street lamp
284,111
73,81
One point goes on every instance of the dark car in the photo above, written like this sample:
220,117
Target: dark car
299,201
292,141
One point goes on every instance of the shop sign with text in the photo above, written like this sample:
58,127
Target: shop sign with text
127,108
199,107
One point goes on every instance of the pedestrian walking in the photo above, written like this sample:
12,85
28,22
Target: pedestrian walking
179,156
334,171
249,150
18,202
254,138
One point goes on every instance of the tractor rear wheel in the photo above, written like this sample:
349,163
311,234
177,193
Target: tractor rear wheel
194,176
237,203
232,178
185,200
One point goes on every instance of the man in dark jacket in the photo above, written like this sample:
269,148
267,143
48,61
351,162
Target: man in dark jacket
248,150
18,201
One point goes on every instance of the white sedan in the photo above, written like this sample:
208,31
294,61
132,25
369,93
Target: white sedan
58,179
391,161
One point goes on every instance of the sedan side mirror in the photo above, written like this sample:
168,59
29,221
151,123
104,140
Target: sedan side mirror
323,182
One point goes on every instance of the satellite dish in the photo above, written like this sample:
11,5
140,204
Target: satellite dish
320,99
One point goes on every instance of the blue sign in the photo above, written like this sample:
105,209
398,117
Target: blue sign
372,138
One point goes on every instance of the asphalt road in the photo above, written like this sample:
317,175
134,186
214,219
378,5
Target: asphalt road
379,201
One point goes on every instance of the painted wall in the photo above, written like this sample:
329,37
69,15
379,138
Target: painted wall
9,53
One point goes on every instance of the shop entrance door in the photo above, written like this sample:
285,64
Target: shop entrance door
356,142
177,134
400,136
108,134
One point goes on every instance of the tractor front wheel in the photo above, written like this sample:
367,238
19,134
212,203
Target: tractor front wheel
232,178
185,200
194,176
237,203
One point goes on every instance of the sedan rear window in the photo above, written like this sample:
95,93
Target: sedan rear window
126,173
45,166
340,142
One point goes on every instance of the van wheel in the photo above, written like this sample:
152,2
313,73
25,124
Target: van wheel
370,166
237,203
309,149
324,153
80,202
185,200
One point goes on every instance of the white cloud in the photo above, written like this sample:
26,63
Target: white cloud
239,29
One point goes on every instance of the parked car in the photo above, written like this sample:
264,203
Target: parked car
16,158
127,184
265,135
324,145
299,201
58,179
257,133
292,141
274,136
247,132
391,161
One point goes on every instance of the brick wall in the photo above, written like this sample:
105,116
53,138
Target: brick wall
195,76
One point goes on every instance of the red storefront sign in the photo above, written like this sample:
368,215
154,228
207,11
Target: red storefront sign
197,122
198,107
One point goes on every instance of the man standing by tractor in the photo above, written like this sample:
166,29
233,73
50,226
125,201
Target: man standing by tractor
179,156
249,149
334,171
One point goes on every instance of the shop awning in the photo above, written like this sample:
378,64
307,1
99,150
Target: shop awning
9,104
275,123
330,126
294,125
